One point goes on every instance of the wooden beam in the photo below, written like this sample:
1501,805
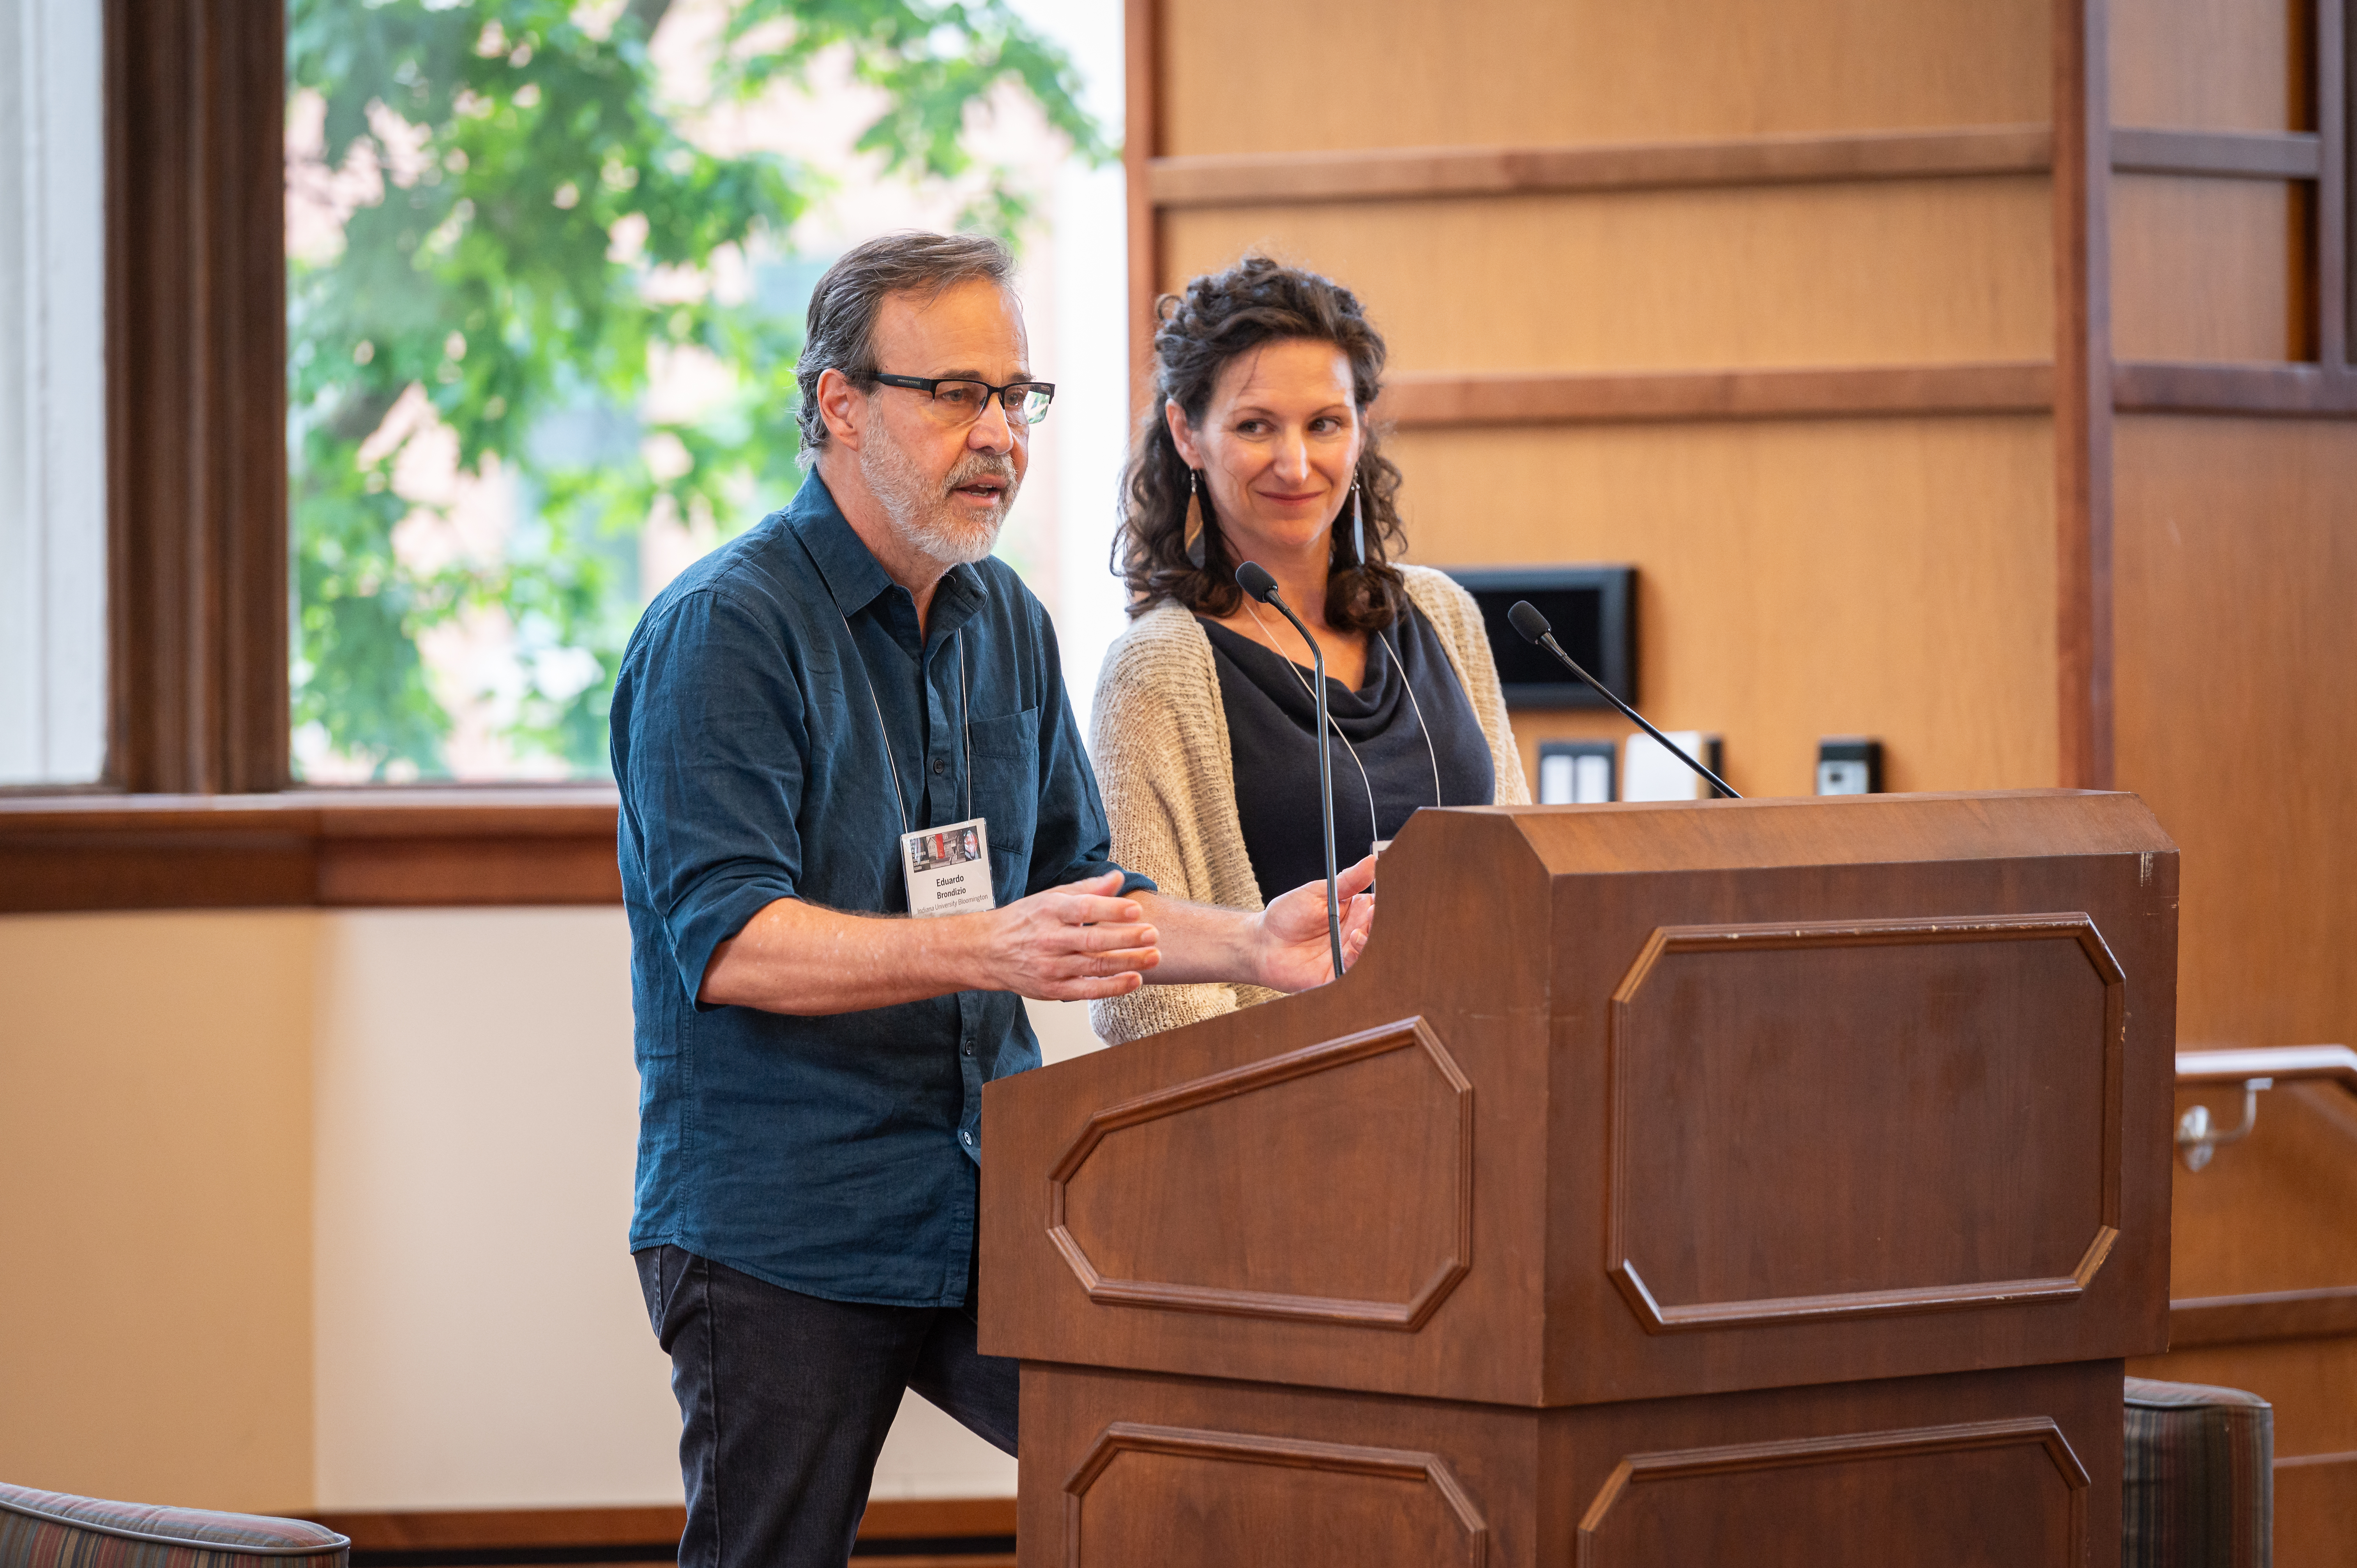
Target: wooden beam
2276,1315
2312,392
2234,153
2083,394
196,395
1139,138
891,1531
1259,180
361,848
1440,401
2332,184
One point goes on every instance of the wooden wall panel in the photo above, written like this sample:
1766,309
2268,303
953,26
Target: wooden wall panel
1896,272
2236,559
1239,76
2210,65
2311,1382
2211,269
2315,1500
1891,577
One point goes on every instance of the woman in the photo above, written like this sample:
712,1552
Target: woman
1259,450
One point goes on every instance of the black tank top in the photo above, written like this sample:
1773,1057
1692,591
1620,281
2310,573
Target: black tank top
1270,722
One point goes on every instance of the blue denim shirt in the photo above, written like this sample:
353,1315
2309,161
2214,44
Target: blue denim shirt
833,1156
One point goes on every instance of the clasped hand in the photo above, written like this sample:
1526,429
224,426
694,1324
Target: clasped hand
1086,943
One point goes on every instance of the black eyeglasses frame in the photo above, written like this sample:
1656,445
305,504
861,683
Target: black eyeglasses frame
930,387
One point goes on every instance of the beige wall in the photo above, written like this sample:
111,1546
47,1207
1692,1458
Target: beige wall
480,1339
328,1211
156,1206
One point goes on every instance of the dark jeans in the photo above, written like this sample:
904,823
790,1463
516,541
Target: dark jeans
784,1401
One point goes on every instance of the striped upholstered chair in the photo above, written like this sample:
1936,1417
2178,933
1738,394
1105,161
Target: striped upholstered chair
51,1529
2198,1477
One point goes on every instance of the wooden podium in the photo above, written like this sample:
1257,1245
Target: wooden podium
1762,1182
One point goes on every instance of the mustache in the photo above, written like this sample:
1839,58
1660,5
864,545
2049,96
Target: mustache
981,466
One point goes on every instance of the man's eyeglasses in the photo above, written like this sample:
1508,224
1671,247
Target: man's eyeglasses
958,402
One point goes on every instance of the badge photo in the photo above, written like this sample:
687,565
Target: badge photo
948,869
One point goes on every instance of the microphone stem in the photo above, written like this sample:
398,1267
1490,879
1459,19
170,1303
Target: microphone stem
1325,785
1674,749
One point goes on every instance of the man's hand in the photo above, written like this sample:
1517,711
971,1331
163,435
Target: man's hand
1074,943
1292,949
1283,947
1077,943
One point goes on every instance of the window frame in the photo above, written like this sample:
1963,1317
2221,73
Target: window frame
197,806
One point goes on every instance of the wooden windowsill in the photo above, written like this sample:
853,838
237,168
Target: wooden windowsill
352,848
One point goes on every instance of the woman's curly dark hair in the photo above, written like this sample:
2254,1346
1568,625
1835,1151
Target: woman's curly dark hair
1201,331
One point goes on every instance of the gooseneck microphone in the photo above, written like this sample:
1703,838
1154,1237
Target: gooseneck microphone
1254,579
1534,628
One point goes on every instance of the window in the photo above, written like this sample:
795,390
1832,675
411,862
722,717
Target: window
547,263
52,428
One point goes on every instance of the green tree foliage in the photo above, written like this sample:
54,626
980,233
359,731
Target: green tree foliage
517,143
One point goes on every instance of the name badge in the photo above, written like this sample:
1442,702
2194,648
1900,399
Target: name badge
948,869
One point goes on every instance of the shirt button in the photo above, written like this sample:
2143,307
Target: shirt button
941,765
965,1137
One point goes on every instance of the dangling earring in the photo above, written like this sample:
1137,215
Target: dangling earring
1193,536
1358,528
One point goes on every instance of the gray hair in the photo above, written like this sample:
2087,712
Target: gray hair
842,307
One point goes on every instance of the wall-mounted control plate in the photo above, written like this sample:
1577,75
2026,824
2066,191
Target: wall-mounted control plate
1849,765
1575,772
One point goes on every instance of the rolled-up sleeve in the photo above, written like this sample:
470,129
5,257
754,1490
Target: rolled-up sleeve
710,749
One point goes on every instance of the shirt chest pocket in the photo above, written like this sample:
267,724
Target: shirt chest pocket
1006,791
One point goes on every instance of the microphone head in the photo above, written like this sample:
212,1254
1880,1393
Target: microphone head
1254,579
1528,621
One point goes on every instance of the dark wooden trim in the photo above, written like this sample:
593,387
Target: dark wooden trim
2308,1461
328,849
1441,401
2332,183
2310,391
512,1530
1140,137
1391,173
2248,155
2082,393
196,390
2273,1314
491,1530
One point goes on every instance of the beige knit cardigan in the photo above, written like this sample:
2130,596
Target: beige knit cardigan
1160,743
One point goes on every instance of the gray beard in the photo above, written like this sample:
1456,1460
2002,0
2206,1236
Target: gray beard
922,515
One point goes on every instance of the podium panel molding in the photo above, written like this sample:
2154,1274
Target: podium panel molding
1456,1170
1424,1471
1642,1470
1644,1297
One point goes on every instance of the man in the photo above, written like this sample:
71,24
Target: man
804,723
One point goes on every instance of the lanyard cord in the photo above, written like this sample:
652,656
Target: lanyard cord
965,722
1373,825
